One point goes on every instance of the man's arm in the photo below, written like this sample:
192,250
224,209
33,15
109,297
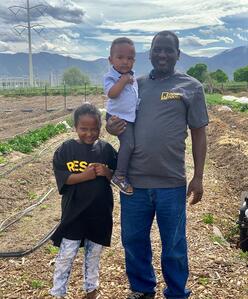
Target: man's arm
199,149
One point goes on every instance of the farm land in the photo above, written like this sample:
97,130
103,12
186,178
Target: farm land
218,269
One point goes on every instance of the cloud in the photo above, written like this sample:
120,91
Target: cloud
66,14
164,23
225,39
242,37
195,41
207,51
4,47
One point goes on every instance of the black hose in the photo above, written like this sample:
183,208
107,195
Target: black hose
28,251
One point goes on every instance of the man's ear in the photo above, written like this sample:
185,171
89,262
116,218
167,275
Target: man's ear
110,60
178,54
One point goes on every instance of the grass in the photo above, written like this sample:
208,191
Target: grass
32,195
208,218
52,249
218,239
27,142
2,160
216,99
36,284
243,255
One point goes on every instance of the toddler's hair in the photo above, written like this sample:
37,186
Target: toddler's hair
87,109
120,40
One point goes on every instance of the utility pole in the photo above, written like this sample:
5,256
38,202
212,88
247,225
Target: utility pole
31,73
15,10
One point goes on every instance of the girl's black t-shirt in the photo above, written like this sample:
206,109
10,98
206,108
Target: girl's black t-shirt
86,207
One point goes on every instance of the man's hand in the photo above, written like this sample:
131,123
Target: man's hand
195,188
115,125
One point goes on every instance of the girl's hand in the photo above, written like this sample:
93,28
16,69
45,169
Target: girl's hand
90,171
102,170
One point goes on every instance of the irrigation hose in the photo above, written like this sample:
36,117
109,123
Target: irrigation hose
28,251
20,214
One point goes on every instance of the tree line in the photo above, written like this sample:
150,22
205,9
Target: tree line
200,72
74,77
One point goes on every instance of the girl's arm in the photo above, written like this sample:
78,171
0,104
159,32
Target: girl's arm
87,175
116,89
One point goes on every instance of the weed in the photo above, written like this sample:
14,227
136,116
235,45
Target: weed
52,249
2,160
218,239
32,195
43,207
203,281
243,255
36,284
208,218
232,232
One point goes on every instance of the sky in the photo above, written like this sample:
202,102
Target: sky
85,29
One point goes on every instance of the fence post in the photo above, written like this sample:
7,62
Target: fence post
85,89
64,96
45,97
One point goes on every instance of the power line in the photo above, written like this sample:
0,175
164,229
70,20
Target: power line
21,28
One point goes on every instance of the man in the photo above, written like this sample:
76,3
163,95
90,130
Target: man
170,103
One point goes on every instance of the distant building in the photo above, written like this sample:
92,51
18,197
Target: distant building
19,82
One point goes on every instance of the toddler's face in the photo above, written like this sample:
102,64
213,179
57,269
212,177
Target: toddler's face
88,129
122,57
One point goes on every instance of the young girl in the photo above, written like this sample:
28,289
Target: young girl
83,170
121,88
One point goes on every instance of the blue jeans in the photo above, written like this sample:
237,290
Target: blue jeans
137,214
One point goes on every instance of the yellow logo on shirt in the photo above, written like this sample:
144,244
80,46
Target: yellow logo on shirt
78,166
166,95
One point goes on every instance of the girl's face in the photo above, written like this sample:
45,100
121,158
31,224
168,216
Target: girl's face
88,128
122,57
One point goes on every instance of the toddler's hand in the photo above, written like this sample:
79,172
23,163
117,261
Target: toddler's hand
127,78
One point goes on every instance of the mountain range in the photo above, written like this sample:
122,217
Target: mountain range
45,64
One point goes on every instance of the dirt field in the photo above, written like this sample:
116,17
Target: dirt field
217,269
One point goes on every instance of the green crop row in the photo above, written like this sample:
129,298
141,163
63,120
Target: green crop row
27,142
53,91
216,99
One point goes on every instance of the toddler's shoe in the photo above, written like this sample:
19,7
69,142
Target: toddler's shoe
122,184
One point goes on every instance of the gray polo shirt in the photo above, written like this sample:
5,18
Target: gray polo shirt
167,108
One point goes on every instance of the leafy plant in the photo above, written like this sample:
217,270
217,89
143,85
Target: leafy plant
218,239
52,249
203,281
243,255
208,218
32,195
27,142
36,284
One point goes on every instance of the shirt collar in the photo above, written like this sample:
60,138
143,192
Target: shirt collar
116,74
153,75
